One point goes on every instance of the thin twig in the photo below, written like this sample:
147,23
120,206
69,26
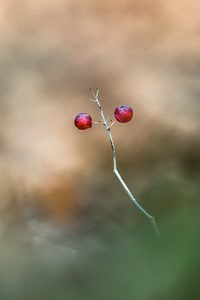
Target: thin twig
115,169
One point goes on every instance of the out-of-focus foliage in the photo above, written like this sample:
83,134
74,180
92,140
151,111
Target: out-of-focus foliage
67,229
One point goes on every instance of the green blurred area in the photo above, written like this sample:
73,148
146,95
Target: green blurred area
124,265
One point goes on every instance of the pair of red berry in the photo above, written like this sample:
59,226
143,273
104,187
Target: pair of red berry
123,114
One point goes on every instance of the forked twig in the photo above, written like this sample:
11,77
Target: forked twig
115,169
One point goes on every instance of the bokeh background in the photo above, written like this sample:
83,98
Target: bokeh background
67,229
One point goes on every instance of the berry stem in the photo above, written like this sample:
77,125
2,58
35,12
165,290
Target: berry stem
115,169
113,123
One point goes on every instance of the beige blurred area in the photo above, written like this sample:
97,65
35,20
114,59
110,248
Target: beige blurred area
57,188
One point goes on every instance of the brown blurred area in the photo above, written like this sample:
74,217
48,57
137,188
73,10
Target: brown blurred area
56,184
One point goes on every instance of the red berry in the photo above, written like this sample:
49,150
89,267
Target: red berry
83,121
123,113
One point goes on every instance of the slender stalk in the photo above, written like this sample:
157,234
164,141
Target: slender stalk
115,169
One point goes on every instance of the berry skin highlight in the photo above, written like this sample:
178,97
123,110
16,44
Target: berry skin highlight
123,113
83,121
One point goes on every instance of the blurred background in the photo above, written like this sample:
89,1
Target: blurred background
67,228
